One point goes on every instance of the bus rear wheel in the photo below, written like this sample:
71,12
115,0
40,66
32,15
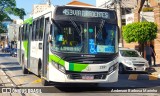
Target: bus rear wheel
44,82
24,70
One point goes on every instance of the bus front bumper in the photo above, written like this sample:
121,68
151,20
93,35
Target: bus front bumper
58,76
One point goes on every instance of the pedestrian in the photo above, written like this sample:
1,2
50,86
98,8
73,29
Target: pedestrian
153,54
148,53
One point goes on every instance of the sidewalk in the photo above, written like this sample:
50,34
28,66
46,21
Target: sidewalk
155,70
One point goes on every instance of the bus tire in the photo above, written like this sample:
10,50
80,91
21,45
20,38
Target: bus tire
24,70
44,82
39,68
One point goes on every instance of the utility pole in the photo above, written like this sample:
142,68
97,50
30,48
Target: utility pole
48,2
119,18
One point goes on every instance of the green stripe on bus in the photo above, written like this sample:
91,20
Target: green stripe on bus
28,21
25,44
77,67
56,59
71,66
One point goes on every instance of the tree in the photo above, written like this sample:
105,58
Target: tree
140,32
9,7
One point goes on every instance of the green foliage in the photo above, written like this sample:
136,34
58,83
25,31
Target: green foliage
7,4
3,17
139,32
19,12
9,7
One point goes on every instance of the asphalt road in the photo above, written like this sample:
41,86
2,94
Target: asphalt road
140,84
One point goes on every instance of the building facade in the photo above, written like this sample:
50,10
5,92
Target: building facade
37,8
13,32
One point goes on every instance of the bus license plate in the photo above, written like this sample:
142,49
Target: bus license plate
87,77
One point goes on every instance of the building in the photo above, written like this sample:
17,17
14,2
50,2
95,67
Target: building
124,3
13,32
78,3
37,8
127,6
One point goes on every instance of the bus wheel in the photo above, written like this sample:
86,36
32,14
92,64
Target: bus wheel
24,70
39,69
44,82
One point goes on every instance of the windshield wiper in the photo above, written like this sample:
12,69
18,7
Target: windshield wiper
101,27
79,32
75,25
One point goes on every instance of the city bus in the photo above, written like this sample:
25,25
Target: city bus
70,44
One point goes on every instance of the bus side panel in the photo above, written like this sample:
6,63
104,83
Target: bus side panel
36,55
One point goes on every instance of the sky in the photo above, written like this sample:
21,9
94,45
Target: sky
28,4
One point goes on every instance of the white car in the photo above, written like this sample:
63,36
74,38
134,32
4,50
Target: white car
131,60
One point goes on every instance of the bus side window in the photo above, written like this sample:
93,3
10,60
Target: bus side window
37,29
19,33
41,29
34,29
24,32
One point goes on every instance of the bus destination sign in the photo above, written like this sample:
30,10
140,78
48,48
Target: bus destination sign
86,13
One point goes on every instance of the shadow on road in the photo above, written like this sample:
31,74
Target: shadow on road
12,68
4,55
9,63
85,88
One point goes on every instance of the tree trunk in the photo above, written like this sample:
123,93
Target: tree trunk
141,49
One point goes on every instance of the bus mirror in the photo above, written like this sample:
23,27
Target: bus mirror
50,39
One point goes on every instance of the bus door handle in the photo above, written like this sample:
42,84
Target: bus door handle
40,45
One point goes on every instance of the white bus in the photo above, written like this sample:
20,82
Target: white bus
70,44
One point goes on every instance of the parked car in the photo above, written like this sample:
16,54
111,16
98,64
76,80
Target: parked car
131,60
7,49
13,53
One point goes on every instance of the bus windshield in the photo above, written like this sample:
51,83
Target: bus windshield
84,37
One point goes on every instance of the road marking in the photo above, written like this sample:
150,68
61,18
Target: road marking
133,77
153,77
37,81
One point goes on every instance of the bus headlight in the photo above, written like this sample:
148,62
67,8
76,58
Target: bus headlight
58,66
61,68
55,64
112,68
